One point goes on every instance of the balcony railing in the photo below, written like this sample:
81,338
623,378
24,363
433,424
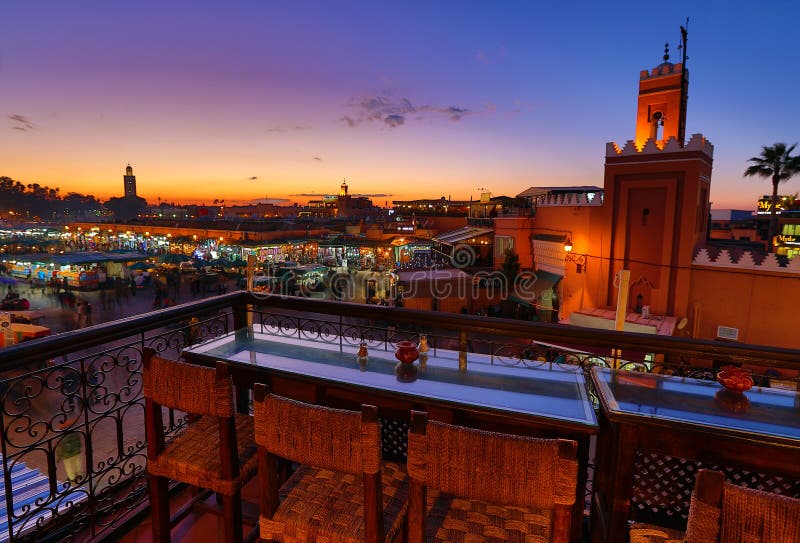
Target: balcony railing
80,392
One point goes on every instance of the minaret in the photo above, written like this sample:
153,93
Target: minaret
129,181
343,188
661,111
656,198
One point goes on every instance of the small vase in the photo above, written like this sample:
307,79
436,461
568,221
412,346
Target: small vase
362,356
423,344
406,352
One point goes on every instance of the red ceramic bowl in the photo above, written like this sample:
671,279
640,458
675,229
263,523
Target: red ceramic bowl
735,379
406,352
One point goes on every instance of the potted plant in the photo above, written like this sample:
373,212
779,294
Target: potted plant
69,451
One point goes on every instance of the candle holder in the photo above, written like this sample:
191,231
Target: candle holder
423,344
362,356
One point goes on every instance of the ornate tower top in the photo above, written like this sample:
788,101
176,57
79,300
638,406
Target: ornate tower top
343,188
661,111
663,94
129,170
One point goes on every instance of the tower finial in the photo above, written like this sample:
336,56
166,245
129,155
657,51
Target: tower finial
666,51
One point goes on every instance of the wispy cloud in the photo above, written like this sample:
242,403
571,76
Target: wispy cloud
490,57
252,178
522,107
394,112
20,122
394,120
267,201
320,194
318,159
286,128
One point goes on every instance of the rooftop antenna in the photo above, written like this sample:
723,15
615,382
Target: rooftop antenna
684,83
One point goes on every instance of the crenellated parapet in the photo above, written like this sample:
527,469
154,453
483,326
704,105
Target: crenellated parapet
571,199
746,261
697,142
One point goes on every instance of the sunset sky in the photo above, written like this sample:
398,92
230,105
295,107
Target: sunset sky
257,99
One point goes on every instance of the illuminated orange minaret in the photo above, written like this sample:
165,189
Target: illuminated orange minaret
661,111
656,197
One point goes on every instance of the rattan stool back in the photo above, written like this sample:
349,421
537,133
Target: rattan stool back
534,479
215,452
338,450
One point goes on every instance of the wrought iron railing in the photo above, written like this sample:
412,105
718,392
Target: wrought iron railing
72,426
82,390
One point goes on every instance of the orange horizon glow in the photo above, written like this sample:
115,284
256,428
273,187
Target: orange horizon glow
204,190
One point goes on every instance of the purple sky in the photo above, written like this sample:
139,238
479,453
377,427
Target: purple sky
243,100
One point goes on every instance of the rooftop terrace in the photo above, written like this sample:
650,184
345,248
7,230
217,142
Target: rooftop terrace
87,385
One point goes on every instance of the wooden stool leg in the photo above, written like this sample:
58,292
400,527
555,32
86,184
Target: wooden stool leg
233,517
159,505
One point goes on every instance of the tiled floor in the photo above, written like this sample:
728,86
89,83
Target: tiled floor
199,526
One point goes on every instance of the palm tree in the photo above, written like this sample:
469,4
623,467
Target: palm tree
775,162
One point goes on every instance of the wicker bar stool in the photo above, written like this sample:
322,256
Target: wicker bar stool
724,513
216,451
470,485
342,492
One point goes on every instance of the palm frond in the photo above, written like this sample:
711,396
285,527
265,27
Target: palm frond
776,162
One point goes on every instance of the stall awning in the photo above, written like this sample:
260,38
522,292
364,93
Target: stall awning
460,234
530,294
546,280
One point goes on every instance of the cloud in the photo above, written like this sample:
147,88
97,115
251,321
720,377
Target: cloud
320,195
395,112
453,113
267,201
20,122
486,57
394,120
252,178
286,128
521,107
317,159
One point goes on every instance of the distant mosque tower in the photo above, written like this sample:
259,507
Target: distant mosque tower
130,183
343,188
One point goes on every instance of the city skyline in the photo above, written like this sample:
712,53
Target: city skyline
258,100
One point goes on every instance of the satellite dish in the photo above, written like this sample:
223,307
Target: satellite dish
682,323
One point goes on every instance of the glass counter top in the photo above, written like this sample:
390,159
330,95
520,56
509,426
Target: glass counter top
761,411
546,391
